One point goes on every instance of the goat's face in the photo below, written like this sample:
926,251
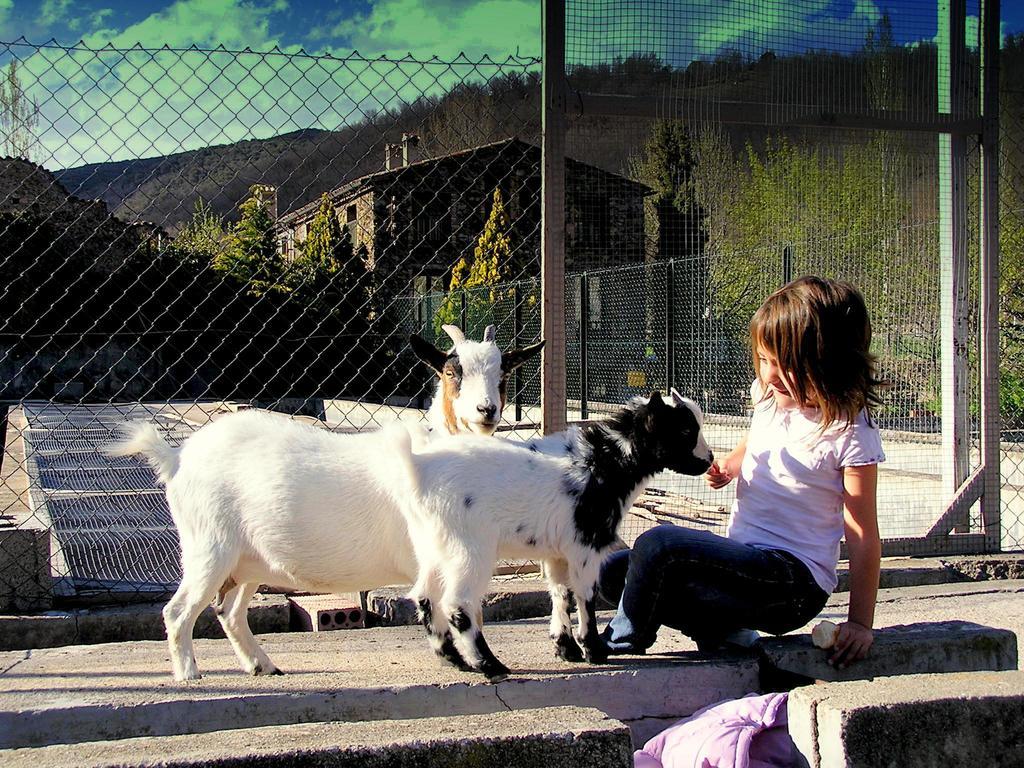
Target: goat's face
673,431
473,375
473,386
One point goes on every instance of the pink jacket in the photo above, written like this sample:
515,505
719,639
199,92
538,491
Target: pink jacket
750,732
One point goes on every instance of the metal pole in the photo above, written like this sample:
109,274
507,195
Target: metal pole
517,326
953,251
989,282
584,334
787,264
553,126
464,312
670,325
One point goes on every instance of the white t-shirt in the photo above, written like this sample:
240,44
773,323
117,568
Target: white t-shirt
789,495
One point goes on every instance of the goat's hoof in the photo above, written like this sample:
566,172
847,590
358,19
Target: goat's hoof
495,672
260,671
596,654
567,649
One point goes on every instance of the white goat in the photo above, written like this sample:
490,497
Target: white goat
472,378
261,499
561,498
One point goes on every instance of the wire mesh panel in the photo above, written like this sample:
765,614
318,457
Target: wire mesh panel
773,140
1011,288
188,232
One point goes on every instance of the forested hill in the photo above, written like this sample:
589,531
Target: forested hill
164,189
304,164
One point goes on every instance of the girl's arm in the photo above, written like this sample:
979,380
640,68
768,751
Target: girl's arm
723,470
855,636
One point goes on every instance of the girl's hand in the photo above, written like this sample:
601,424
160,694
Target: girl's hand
718,476
853,642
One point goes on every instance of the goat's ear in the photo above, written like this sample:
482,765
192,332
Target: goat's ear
656,402
427,352
516,357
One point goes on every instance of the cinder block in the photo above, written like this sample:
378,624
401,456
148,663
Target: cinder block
946,646
25,581
505,601
914,721
321,613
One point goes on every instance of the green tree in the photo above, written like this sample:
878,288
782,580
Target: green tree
19,116
326,268
203,239
251,256
478,281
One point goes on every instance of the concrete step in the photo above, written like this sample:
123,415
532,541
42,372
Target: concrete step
926,647
556,737
267,613
124,690
913,721
507,599
117,691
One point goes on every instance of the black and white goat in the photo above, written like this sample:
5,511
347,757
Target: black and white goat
560,499
472,380
258,498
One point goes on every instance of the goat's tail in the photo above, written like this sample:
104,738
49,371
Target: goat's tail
399,443
141,437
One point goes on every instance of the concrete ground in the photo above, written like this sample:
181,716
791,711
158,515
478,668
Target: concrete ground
125,689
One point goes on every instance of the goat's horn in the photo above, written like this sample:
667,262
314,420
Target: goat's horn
455,332
489,333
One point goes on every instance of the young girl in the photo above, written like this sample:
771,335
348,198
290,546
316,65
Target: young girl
806,470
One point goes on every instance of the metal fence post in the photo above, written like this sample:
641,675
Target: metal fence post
670,325
989,282
553,125
464,311
787,264
584,334
517,326
952,57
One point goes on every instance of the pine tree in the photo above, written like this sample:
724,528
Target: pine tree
326,268
493,253
251,256
490,267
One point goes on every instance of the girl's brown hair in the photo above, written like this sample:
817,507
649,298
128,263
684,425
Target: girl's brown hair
820,333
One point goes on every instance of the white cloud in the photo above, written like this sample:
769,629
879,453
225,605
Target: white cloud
205,23
427,28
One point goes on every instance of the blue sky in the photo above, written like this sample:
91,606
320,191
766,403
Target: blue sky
97,106
445,27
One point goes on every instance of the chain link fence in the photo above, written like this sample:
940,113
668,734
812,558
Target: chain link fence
773,145
187,232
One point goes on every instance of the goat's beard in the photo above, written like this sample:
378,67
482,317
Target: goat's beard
480,428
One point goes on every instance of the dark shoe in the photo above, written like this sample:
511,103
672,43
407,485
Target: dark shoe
620,648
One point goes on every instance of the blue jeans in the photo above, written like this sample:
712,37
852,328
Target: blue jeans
704,585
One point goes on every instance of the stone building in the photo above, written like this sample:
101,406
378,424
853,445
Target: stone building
31,193
413,220
58,250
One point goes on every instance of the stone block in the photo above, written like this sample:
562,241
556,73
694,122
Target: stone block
25,581
505,601
48,630
947,646
555,737
914,721
143,621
